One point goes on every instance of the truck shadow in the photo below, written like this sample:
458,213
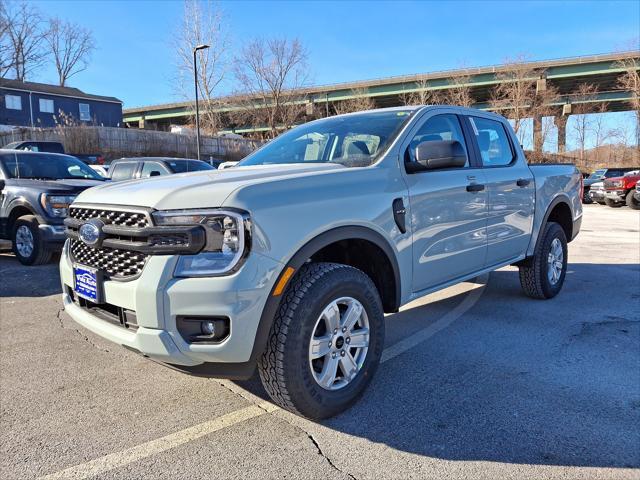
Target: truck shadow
514,380
17,280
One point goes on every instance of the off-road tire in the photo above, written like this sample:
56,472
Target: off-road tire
631,201
613,203
533,271
40,254
284,367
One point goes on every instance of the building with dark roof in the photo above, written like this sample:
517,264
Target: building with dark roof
30,104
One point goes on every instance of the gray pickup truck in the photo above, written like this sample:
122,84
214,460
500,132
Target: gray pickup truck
289,261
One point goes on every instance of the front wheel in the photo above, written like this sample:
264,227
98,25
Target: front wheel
27,242
613,203
542,275
586,198
631,201
326,341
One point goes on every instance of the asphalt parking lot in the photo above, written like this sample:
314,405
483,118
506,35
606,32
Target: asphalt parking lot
478,381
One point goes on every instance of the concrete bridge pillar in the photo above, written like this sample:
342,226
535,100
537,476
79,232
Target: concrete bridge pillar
537,133
561,124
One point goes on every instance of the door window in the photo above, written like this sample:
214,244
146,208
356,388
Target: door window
493,143
123,171
152,169
438,128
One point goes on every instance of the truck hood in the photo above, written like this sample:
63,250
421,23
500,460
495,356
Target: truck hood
197,189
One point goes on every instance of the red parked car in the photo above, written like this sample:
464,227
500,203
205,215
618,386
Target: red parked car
620,190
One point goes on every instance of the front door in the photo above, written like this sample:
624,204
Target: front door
448,209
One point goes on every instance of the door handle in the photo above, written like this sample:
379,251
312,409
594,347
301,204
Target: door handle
475,187
523,182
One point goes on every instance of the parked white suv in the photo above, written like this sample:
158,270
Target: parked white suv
289,262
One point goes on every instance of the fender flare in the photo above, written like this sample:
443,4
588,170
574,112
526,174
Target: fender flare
245,370
554,203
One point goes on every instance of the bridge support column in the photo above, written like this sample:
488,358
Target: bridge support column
537,133
561,124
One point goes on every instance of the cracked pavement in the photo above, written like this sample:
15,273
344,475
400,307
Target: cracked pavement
513,388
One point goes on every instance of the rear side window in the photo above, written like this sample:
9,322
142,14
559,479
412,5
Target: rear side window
152,169
493,142
123,171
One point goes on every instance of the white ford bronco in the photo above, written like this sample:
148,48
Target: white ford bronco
288,261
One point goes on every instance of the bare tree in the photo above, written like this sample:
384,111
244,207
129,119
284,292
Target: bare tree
582,120
271,75
202,24
423,95
26,39
630,81
515,91
459,91
6,55
360,101
71,46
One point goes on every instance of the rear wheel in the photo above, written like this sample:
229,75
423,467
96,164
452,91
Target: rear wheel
631,201
613,203
542,275
326,341
27,242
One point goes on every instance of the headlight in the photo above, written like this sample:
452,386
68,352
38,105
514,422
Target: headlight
227,240
57,205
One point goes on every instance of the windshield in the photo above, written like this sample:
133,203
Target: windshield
596,174
351,140
181,166
43,166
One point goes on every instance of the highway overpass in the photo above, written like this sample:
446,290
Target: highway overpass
565,74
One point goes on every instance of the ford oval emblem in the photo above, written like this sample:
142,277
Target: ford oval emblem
89,233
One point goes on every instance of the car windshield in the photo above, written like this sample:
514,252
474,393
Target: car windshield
596,174
43,166
181,166
354,140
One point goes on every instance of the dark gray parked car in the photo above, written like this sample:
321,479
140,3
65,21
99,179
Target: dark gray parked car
36,190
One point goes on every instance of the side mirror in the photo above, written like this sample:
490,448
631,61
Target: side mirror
154,173
438,154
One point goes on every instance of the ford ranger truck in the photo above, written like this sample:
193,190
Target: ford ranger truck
288,261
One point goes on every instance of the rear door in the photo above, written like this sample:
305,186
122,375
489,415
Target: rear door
511,190
448,208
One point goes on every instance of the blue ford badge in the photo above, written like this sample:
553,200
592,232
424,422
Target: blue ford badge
90,232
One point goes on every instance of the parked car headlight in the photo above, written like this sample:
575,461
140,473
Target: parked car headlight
57,205
228,235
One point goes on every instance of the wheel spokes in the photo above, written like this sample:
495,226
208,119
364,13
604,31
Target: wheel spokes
359,338
329,371
348,366
319,346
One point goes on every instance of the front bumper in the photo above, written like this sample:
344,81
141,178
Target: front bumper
615,195
157,298
596,195
52,234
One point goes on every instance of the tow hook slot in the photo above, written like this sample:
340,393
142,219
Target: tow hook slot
399,214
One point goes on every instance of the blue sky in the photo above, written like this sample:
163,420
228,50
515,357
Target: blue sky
346,40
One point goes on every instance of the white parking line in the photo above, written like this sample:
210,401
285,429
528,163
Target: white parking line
139,452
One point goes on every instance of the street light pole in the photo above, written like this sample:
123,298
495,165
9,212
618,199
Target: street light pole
195,81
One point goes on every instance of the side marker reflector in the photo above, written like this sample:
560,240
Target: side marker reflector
284,278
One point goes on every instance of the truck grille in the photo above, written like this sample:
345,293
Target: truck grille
111,217
117,263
